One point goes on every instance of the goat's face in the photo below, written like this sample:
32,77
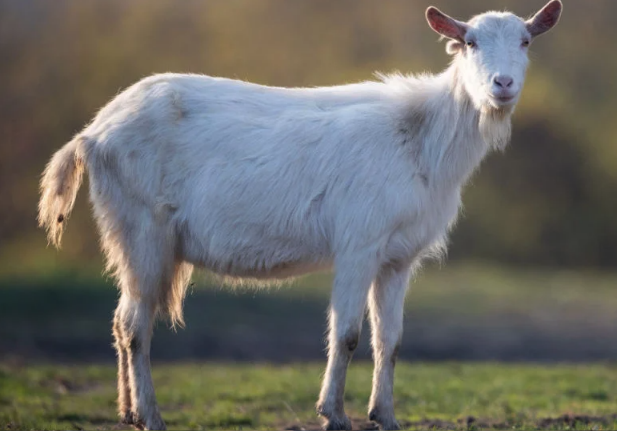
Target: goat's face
492,51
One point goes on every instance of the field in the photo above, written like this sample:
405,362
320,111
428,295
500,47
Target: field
485,347
214,396
518,330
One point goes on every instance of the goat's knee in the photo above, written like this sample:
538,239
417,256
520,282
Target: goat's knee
343,345
349,342
135,344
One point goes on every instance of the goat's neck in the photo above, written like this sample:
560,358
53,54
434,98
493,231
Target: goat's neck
457,135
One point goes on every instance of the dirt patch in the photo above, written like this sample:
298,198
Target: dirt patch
571,420
363,424
356,424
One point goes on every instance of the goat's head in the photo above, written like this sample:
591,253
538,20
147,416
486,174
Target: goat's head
492,51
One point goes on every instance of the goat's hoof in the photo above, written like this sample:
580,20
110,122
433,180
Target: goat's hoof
384,423
332,420
137,423
129,418
156,423
342,423
132,418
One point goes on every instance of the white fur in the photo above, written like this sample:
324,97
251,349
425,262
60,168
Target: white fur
267,183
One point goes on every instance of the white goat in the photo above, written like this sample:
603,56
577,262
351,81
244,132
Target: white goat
266,183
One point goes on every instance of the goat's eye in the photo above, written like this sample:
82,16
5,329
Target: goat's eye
471,44
525,43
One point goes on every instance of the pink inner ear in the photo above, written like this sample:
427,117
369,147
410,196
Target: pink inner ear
444,25
545,19
550,14
445,28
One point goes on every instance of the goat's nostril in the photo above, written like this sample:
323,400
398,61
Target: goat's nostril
503,81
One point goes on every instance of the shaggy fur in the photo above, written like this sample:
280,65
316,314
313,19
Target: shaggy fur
255,182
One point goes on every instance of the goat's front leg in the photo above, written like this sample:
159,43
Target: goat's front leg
386,301
351,285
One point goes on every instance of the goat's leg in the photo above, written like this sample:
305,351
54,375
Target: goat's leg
386,301
351,284
137,322
124,387
140,250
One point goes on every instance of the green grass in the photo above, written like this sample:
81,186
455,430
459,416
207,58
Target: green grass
214,396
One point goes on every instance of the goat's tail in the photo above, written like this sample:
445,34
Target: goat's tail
59,186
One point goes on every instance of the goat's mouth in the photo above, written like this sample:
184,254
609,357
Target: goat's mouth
501,100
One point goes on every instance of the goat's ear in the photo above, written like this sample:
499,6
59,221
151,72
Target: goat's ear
546,19
445,25
454,46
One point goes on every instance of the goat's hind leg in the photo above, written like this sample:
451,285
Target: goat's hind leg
145,270
137,323
124,387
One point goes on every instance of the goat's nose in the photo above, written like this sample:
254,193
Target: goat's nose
503,81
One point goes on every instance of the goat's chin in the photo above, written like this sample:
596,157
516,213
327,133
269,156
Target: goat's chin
485,103
499,106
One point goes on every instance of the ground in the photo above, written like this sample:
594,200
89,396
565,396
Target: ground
217,396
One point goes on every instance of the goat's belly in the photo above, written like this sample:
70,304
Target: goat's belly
257,258
281,271
277,271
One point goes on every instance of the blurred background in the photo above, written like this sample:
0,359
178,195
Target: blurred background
531,269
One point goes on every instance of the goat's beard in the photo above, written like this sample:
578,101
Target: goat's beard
495,126
493,122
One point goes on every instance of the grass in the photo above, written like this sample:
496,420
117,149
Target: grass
216,396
